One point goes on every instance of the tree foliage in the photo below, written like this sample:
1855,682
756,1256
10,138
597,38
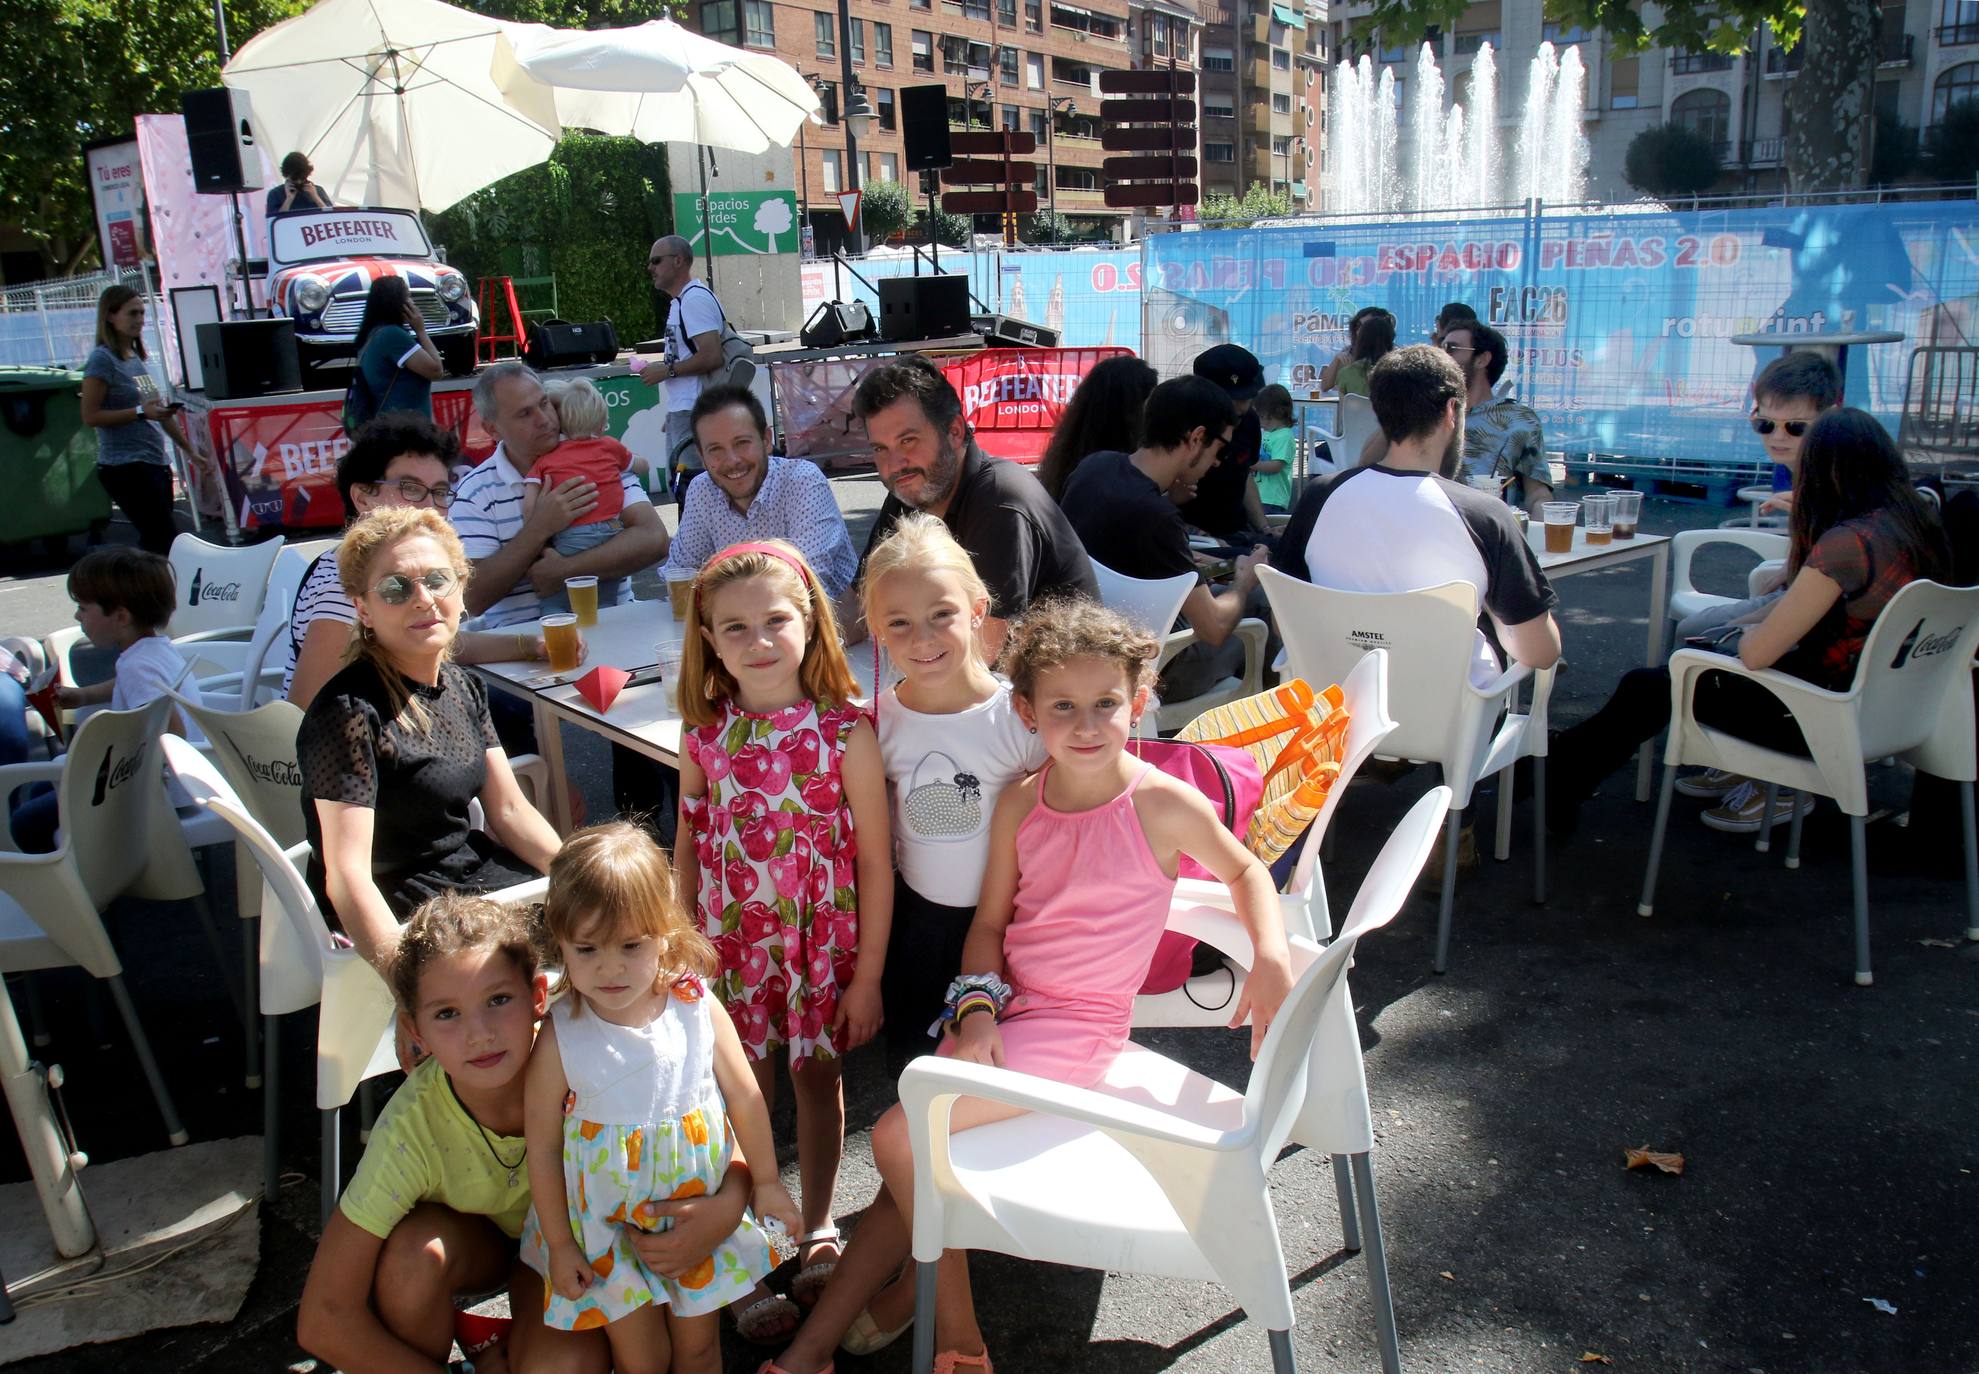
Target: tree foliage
884,210
1671,160
80,71
1954,151
950,230
1259,201
584,217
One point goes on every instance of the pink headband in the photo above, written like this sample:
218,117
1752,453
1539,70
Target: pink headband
772,551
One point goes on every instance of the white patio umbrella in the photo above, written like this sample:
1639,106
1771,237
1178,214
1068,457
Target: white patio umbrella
396,102
661,83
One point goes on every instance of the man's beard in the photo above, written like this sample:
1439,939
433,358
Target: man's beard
1453,457
939,479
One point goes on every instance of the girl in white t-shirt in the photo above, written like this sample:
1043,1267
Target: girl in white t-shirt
951,742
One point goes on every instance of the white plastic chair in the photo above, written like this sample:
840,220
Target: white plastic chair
1355,417
220,586
1911,699
118,838
237,668
1160,1170
1208,1000
1470,732
1685,599
302,965
1154,604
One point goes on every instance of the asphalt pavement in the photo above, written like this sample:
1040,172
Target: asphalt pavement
1825,1219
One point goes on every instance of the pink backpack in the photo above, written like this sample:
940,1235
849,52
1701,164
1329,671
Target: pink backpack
1234,784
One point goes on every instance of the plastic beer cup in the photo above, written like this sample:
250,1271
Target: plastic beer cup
583,594
1559,518
560,642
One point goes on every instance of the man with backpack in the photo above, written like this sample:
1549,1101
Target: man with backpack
694,351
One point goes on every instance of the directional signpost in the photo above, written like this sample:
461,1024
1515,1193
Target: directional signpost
1156,118
998,163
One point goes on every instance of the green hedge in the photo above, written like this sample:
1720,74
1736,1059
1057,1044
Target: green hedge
585,217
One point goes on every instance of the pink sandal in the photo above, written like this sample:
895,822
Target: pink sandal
949,1361
772,1367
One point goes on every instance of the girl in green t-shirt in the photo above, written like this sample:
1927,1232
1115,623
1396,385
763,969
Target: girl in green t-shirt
1273,473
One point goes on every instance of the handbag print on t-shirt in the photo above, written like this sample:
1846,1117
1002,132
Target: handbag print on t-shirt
949,808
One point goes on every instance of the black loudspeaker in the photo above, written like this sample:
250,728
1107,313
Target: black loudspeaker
559,343
935,307
837,322
225,158
924,127
1007,331
241,358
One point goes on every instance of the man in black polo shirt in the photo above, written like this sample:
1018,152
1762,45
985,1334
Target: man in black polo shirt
1118,503
928,458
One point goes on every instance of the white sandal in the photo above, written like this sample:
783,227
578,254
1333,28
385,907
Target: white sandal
812,1278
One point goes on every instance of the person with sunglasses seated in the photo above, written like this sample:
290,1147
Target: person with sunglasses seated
1119,507
397,745
400,459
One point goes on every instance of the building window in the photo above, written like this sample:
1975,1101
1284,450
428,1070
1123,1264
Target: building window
1034,70
1219,152
920,4
924,51
834,170
1034,15
1281,146
960,55
1957,85
1478,25
883,107
827,39
1006,13
1281,60
1007,63
1218,108
718,20
1219,59
858,32
828,97
1958,22
1077,179
883,45
1040,125
888,168
1698,63
1281,103
759,23
1558,34
1625,73
1706,113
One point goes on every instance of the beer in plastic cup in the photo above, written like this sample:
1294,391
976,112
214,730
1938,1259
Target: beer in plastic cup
680,590
583,594
1599,511
1559,518
1628,510
560,642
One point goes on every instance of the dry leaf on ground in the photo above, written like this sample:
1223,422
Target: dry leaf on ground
1446,1274
1642,1157
1594,1357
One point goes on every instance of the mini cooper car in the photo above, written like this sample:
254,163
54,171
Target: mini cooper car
321,264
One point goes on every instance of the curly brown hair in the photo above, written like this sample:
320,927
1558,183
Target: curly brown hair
453,923
1057,630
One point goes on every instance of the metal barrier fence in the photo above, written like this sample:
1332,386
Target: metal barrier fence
53,323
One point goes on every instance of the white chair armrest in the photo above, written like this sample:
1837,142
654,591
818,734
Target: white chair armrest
1827,719
930,1084
1765,577
1504,682
14,775
1173,643
1684,547
1253,633
226,634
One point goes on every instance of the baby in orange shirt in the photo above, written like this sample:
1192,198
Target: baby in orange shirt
585,452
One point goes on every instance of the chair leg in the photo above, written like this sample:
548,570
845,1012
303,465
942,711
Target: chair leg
1377,1268
220,955
924,1317
1647,906
1282,1359
1539,830
175,1130
1764,842
271,1109
38,1021
1793,835
1343,1188
1502,840
251,1001
332,1166
1858,845
1452,835
1971,862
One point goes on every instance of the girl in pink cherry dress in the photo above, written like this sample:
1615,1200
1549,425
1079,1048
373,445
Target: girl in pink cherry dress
778,771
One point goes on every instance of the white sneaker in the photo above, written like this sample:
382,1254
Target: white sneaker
1710,785
1743,811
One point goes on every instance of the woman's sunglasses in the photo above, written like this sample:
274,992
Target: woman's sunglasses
1796,428
414,492
395,589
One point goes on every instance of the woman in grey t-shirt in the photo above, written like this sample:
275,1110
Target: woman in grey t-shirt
120,402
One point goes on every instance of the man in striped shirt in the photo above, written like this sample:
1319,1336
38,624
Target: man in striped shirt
514,565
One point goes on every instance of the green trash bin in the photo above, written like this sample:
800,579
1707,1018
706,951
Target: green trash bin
47,458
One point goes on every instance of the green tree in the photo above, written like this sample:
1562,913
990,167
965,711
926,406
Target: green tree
884,210
82,69
1259,201
1047,226
1828,100
1954,151
950,230
1671,160
578,14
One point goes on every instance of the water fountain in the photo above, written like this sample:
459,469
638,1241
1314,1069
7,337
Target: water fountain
1456,154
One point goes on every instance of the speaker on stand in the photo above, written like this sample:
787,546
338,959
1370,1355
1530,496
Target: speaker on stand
225,160
924,136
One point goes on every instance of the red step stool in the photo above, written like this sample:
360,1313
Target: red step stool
497,291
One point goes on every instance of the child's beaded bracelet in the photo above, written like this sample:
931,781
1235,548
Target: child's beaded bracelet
973,992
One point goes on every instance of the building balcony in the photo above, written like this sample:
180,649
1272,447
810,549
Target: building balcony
1762,152
1895,50
1698,63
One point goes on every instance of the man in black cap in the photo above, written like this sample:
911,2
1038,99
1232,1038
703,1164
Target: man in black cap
1226,504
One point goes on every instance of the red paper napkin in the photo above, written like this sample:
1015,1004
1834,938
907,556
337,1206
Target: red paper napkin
602,685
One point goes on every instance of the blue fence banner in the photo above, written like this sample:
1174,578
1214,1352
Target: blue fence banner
1619,323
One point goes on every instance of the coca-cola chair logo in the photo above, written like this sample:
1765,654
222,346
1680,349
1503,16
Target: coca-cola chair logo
211,591
110,776
274,772
1918,645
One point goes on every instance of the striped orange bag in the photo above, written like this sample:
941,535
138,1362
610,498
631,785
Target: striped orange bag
1297,737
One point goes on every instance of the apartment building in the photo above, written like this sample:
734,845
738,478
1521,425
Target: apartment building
1007,64
1928,59
1264,83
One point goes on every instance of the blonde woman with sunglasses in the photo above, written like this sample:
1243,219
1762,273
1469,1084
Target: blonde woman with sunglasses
397,745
